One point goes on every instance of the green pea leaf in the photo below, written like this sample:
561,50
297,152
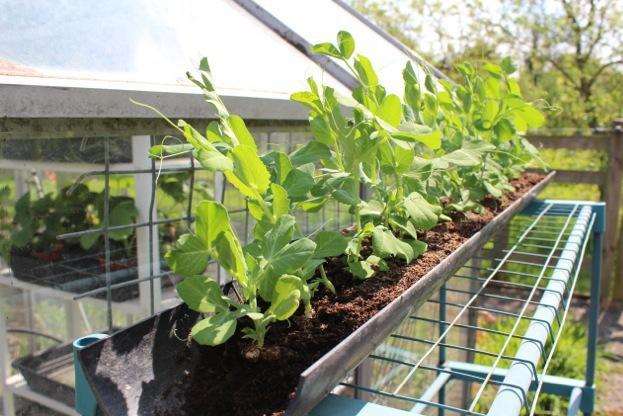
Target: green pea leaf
229,254
429,83
513,87
311,152
508,66
286,297
420,211
490,112
206,73
291,257
463,157
202,294
365,71
278,236
213,160
193,137
431,138
345,197
329,243
419,247
391,110
405,226
214,228
214,133
308,99
327,49
281,202
241,132
249,175
189,256
494,70
493,190
371,208
314,204
346,43
480,146
298,184
404,156
212,219
321,130
205,152
279,164
360,268
504,129
386,244
533,117
215,329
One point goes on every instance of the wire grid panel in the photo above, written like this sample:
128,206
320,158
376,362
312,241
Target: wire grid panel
150,274
482,316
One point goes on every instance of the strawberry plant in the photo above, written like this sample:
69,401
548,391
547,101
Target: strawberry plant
37,223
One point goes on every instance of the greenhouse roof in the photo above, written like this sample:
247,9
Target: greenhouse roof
84,59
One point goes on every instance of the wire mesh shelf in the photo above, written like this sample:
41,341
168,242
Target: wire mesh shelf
484,345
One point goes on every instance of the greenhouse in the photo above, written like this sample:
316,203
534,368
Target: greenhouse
220,207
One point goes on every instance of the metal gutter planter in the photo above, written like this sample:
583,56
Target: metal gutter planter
529,276
319,379
151,345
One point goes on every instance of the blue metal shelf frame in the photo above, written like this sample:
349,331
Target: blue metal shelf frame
582,222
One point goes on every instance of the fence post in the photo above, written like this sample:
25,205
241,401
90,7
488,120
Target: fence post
612,198
617,293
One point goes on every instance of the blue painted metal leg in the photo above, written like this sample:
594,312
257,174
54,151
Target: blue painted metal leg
593,317
574,402
442,348
431,391
86,404
334,405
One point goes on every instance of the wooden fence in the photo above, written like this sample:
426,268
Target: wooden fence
609,180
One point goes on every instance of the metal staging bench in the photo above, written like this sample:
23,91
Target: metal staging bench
537,264
525,277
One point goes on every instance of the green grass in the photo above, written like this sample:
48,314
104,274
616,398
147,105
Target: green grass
568,361
567,159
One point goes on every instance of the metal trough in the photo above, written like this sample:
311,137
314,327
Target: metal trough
319,379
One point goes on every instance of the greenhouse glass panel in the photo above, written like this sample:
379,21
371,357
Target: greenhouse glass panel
150,41
303,18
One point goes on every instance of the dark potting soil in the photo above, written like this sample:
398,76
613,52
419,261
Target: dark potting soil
235,379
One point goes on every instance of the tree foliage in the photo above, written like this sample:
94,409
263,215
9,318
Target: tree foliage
570,51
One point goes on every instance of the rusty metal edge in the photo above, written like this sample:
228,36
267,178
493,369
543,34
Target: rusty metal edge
322,376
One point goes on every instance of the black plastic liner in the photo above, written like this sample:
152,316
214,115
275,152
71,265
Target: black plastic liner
39,370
